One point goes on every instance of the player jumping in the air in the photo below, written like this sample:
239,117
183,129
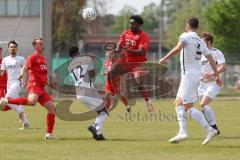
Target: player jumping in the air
133,44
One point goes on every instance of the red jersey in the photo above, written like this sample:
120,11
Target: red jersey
37,69
3,78
134,41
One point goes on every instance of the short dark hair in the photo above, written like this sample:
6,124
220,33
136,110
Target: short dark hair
35,40
1,48
110,44
208,36
12,42
193,22
137,19
72,51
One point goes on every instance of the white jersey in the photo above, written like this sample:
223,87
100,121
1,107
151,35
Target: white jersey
191,54
12,66
218,58
79,68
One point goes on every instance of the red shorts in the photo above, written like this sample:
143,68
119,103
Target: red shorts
2,92
43,96
109,87
129,66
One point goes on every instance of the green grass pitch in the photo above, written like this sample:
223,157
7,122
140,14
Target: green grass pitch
138,137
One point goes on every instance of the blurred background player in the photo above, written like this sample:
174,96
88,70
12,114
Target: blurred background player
192,48
133,44
208,89
12,65
111,58
82,71
36,64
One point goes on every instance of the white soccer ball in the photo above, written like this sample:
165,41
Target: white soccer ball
89,14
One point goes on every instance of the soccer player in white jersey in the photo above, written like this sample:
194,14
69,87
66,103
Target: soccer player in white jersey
12,64
192,48
208,88
82,71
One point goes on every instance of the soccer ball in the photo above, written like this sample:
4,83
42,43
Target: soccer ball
89,14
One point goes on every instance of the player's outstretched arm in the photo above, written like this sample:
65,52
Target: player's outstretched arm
2,72
214,67
220,69
173,52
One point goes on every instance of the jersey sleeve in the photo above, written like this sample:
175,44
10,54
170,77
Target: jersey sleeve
3,66
183,38
90,62
220,58
144,43
121,39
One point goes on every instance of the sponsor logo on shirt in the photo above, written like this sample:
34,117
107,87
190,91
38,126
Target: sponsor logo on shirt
43,67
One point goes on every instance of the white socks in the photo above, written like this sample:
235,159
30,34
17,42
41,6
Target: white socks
199,117
100,120
181,117
209,115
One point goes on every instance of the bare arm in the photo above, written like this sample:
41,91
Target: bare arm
214,67
2,72
23,71
173,52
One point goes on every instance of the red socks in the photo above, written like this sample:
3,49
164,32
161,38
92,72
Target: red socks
145,95
124,101
50,120
18,101
6,108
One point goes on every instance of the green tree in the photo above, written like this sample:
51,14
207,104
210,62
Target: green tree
122,19
151,14
178,19
224,21
67,23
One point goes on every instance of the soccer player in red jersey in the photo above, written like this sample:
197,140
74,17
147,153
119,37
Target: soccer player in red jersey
37,70
3,82
134,44
3,78
111,58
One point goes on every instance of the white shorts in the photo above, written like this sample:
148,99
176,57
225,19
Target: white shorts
210,89
13,89
90,97
188,88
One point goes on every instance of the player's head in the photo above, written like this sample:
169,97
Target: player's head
135,22
207,38
109,48
38,44
12,47
192,24
73,51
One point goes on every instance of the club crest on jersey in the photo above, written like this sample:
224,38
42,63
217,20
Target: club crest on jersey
137,37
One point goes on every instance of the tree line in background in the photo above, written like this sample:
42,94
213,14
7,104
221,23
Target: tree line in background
220,17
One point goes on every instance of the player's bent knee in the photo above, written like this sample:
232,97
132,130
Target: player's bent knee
32,102
50,107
